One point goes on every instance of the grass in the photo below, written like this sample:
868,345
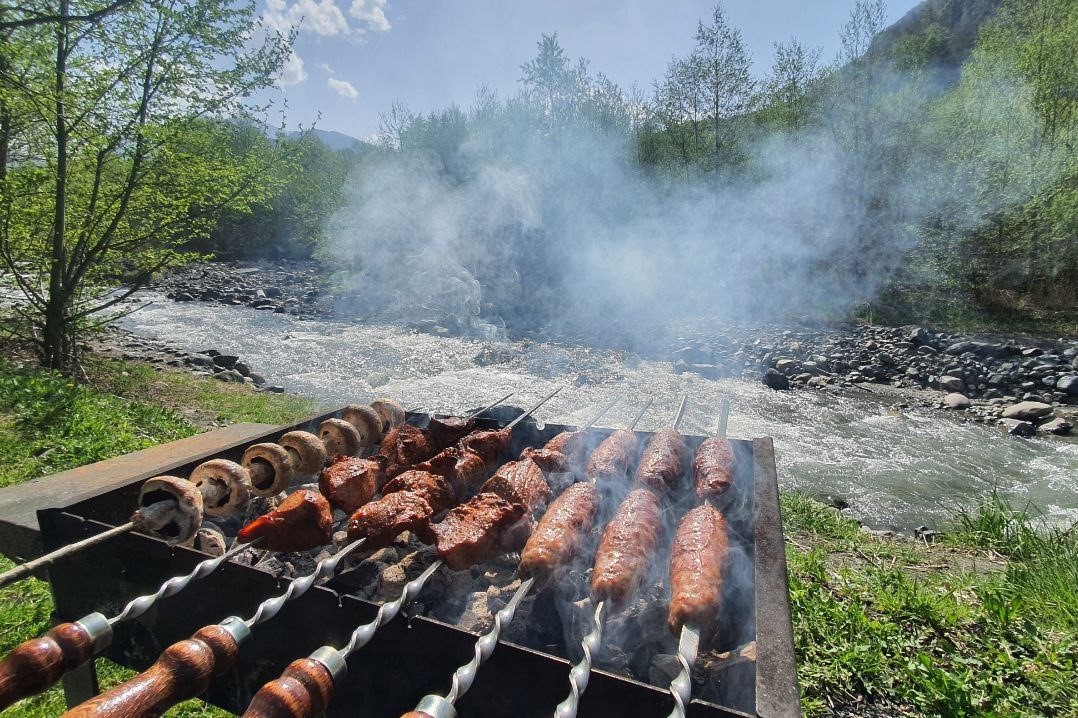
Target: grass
982,623
49,424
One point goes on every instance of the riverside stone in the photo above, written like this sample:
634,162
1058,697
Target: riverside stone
1015,427
952,383
1027,410
1068,384
956,401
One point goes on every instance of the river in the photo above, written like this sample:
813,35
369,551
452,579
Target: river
896,469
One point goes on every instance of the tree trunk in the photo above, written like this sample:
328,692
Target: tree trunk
54,337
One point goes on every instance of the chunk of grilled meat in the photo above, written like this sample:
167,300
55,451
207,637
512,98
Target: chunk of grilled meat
549,460
435,489
713,468
561,531
612,458
490,445
572,445
302,522
383,520
629,541
663,462
349,482
404,446
697,559
522,482
475,531
445,432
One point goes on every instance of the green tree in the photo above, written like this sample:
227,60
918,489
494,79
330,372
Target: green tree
115,167
724,74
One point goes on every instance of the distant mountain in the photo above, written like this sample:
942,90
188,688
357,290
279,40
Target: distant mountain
945,30
332,139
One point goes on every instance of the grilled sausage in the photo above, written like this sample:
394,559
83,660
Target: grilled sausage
697,559
560,532
628,542
713,468
611,459
663,462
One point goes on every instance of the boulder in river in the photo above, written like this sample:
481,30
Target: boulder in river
776,380
1027,410
226,361
981,349
955,400
1016,427
1058,426
952,383
1068,384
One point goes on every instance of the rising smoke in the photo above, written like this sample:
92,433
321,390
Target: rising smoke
533,219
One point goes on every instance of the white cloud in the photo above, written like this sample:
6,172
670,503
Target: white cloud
342,88
324,67
371,13
292,73
322,17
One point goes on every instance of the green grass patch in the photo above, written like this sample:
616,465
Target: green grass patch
980,624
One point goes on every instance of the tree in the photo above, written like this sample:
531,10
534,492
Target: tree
725,73
787,94
122,146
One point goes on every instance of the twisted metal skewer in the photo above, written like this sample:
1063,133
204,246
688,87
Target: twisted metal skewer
387,612
578,676
138,606
272,606
464,676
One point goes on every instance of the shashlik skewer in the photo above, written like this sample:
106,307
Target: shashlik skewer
621,560
186,669
306,686
435,706
697,559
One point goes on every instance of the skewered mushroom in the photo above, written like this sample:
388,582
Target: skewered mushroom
306,450
340,438
270,468
224,484
391,413
367,423
170,507
208,539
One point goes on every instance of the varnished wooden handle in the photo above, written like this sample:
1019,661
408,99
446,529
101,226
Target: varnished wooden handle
303,690
416,714
183,671
38,663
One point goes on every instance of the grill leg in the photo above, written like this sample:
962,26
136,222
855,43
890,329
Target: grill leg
80,685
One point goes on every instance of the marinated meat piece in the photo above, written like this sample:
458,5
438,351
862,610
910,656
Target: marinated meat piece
571,444
713,468
349,482
472,532
433,488
699,554
628,542
611,459
663,462
465,470
443,464
383,520
549,460
490,445
302,522
560,532
522,482
444,433
404,446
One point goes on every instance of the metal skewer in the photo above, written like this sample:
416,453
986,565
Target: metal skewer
186,669
593,639
689,642
488,407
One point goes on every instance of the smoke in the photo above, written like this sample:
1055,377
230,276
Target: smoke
529,221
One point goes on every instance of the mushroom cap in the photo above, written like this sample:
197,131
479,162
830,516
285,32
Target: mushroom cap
391,412
270,468
184,519
340,438
366,421
306,450
225,486
208,539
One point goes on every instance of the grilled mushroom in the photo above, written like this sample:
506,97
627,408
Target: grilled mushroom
225,486
306,450
391,413
208,539
340,438
170,507
366,421
270,468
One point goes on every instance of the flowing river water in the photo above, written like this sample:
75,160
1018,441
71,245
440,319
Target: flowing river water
896,469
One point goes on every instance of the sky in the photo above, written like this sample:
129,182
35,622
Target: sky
354,58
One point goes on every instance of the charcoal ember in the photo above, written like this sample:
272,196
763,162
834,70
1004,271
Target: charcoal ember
391,581
477,615
387,555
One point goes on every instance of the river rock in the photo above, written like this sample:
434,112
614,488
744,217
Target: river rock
1068,384
981,349
229,375
955,400
1058,426
919,336
1027,410
776,380
786,365
1016,427
226,361
242,368
952,383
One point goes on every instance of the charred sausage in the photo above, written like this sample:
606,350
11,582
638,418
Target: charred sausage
697,559
713,468
628,543
560,532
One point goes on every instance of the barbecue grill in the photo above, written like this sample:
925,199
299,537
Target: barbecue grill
410,658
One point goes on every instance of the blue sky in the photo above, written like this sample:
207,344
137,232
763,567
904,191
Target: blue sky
353,58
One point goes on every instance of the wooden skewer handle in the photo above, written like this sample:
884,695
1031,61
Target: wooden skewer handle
183,671
416,714
38,663
303,691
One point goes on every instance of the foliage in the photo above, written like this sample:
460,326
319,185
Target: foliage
913,629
